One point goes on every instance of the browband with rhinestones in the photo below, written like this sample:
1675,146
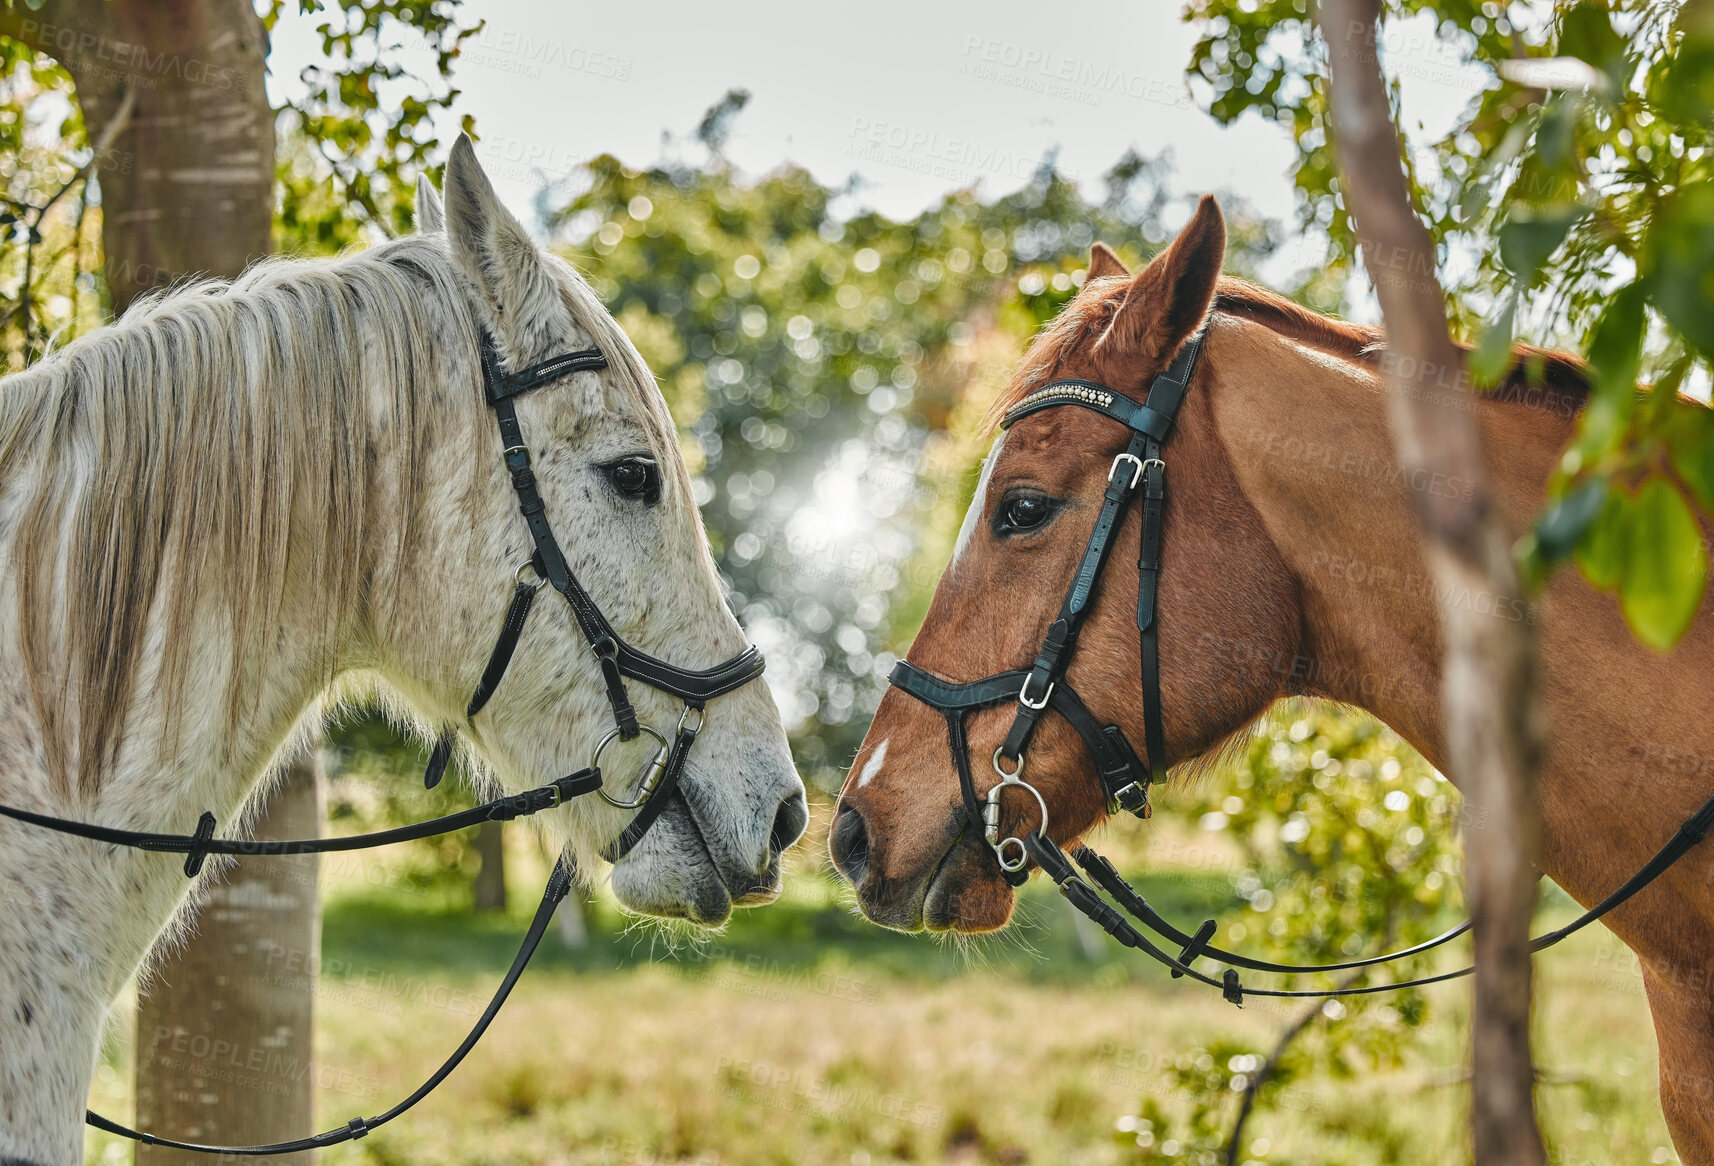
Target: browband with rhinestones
1080,391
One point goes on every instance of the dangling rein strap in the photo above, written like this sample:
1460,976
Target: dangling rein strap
198,846
559,884
1088,901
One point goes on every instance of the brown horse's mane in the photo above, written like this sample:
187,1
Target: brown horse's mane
1535,371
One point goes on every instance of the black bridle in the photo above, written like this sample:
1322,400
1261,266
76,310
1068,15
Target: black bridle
1125,780
618,661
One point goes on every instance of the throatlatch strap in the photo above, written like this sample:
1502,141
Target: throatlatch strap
501,657
439,757
1148,625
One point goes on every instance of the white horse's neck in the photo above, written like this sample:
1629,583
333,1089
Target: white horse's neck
74,930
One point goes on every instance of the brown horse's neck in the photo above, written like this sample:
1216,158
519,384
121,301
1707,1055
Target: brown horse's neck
1630,749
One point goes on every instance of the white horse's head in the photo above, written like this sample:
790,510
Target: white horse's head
608,465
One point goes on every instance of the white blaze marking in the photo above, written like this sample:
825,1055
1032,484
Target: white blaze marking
977,503
873,765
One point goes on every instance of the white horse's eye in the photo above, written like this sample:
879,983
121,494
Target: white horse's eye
636,477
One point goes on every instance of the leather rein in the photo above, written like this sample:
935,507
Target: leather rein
1140,472
618,661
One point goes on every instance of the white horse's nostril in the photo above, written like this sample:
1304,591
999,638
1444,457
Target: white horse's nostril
790,821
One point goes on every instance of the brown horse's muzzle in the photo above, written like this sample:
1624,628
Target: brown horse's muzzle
934,875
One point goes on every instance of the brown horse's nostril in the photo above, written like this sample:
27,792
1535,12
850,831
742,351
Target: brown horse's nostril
789,823
850,844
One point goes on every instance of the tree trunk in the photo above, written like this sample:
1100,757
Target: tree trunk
491,876
187,187
1488,694
225,1039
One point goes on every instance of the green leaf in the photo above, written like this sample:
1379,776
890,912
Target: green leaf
1666,565
1587,33
1689,433
1558,531
1492,357
1556,139
1601,553
1532,234
1616,348
1680,263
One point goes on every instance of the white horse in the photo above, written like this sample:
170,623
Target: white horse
243,494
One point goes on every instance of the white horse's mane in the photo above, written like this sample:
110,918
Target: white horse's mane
153,467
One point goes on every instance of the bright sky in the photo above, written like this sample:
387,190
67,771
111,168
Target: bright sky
918,97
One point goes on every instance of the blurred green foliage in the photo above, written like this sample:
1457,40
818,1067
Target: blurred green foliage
1348,848
826,364
49,239
1572,196
352,142
350,145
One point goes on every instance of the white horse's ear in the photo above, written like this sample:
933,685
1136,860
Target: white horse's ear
431,220
494,252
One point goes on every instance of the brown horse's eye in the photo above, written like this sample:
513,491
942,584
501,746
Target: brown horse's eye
1022,512
636,477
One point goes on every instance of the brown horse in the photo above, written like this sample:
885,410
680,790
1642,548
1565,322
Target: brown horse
1292,565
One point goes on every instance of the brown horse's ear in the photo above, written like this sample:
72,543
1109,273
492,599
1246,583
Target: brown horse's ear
1104,261
1169,298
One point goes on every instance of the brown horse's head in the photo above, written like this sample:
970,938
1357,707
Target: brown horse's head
898,832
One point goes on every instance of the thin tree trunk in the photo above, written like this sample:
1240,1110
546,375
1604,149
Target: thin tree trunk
1492,733
491,876
225,1038
188,186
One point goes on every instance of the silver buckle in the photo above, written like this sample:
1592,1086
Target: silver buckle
1024,695
1134,460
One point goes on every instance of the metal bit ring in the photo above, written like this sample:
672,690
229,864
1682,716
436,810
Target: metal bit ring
651,774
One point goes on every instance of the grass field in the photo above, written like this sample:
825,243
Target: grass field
801,1034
